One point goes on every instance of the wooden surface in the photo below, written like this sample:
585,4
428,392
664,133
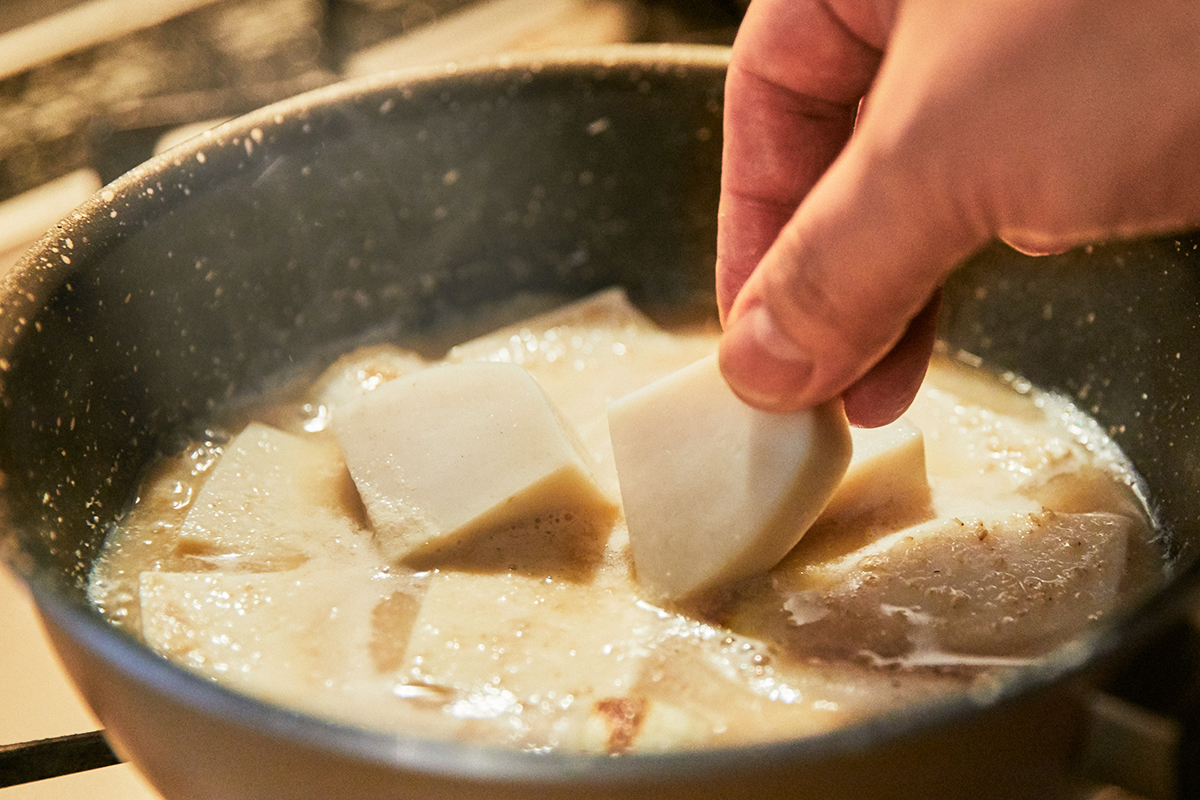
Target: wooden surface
37,701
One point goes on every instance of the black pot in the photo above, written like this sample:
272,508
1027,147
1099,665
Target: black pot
372,208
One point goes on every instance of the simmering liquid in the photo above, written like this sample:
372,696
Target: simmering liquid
249,558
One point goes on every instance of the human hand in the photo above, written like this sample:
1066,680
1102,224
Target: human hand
1046,123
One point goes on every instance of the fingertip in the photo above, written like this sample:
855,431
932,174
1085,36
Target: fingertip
889,388
762,365
869,408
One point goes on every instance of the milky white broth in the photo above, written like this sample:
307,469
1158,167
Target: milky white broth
1030,533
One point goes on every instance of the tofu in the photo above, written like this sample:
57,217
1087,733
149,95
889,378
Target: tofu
522,637
887,469
605,309
696,694
588,353
1087,489
447,453
362,371
714,490
272,500
1013,585
289,637
980,432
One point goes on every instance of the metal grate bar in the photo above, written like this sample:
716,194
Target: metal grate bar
48,758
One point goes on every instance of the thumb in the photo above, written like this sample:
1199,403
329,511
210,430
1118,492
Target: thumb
845,298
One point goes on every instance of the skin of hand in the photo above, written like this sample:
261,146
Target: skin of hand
872,145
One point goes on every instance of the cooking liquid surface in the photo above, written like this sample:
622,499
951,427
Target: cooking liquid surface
251,560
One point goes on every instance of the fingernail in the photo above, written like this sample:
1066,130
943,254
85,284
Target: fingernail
762,365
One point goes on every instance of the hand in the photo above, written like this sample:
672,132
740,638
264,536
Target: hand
1047,123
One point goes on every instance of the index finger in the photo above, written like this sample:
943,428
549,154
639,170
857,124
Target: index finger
797,73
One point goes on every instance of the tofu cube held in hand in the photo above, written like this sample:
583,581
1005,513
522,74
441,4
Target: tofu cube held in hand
449,452
714,490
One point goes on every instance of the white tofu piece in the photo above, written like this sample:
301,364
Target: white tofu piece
886,469
522,637
596,439
607,308
1014,585
447,453
361,371
699,695
713,489
993,431
292,637
1087,489
588,353
271,500
662,726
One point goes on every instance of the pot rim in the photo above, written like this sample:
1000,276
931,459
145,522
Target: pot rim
42,268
